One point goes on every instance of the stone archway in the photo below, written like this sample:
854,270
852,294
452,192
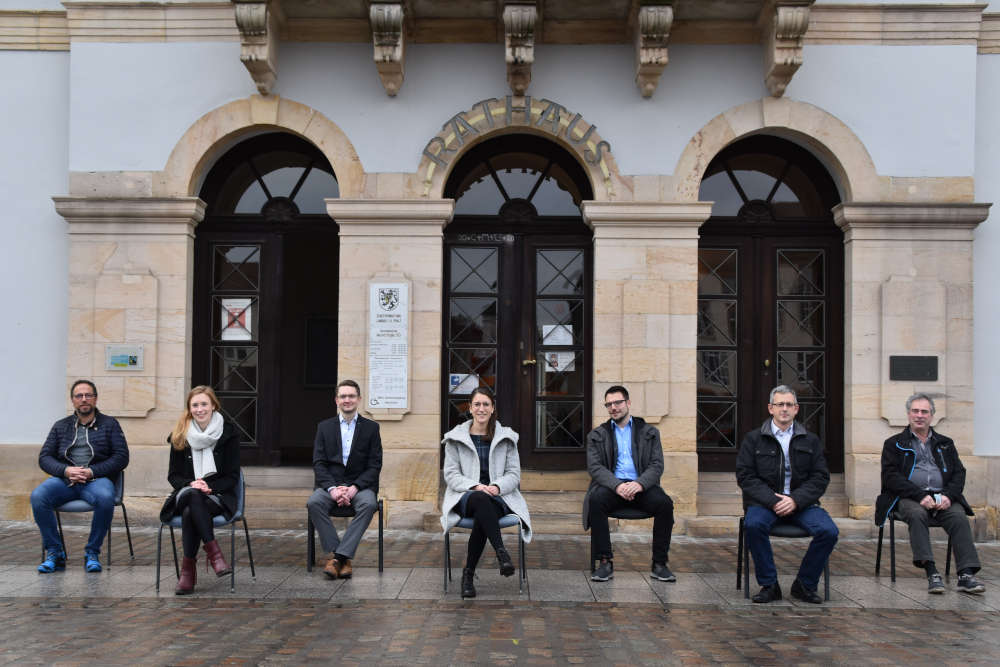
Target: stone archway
217,130
829,139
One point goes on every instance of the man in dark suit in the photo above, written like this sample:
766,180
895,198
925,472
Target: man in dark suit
625,462
347,460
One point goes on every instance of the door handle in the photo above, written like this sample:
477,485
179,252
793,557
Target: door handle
528,362
767,363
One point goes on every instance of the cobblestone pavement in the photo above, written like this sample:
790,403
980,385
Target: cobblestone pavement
290,616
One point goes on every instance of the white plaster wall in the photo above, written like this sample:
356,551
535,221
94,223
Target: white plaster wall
131,103
913,107
33,271
31,4
987,257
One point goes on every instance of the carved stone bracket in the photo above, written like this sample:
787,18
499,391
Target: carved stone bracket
386,19
258,28
651,35
519,44
786,22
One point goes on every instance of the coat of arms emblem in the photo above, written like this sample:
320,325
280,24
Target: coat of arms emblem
388,298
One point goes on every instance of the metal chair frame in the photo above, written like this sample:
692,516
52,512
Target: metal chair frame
506,521
779,529
341,512
219,522
624,513
892,519
79,506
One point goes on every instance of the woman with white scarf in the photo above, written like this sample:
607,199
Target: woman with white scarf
204,471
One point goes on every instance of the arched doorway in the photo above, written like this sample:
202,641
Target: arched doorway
770,297
265,294
517,308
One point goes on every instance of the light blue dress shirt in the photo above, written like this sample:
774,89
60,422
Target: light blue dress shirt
624,465
785,439
347,435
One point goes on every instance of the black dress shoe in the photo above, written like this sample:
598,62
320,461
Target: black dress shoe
768,593
506,564
800,592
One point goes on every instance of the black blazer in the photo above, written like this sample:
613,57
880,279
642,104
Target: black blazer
363,464
223,481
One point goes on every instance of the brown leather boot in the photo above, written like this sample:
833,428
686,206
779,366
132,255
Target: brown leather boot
216,560
189,576
345,569
332,569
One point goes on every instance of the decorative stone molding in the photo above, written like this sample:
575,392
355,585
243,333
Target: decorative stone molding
387,35
651,36
886,24
402,218
899,221
141,215
33,30
786,24
519,44
645,220
258,28
989,34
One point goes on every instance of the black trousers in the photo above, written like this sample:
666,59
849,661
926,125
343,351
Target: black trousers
655,501
196,510
485,511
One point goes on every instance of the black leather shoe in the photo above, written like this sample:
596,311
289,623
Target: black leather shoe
468,588
768,593
506,564
800,592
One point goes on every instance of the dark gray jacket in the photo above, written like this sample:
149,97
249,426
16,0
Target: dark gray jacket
109,451
602,453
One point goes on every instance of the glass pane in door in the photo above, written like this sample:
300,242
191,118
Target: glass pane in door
717,361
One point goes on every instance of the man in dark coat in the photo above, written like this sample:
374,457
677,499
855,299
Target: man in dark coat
923,480
782,472
347,460
625,462
84,453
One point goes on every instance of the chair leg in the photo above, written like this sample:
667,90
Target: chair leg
173,545
62,538
159,541
232,557
246,533
109,544
739,556
523,577
878,552
947,559
746,568
128,534
826,581
381,548
892,549
447,562
310,544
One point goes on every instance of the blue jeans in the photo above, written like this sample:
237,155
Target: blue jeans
55,491
813,519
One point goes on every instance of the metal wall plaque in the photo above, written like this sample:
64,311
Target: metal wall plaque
388,345
916,369
123,358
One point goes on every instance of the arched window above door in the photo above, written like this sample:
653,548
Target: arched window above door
764,179
277,176
518,178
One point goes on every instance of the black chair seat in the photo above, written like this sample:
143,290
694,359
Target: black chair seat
779,529
75,506
506,521
892,519
344,512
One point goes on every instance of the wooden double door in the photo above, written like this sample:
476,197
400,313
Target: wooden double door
517,318
770,307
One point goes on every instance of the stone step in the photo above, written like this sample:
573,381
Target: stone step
561,502
554,480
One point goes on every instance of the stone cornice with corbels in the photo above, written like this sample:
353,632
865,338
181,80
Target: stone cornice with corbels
784,24
388,41
259,22
519,20
652,31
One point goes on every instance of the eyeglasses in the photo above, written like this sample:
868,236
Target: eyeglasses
345,397
784,405
615,404
918,411
80,397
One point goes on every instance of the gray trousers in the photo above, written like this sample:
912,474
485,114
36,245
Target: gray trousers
319,504
955,523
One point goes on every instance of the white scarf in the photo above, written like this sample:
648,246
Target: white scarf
202,444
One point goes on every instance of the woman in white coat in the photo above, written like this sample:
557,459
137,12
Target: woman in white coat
482,472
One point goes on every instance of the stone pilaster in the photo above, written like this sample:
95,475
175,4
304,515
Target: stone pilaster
131,263
397,240
645,319
908,291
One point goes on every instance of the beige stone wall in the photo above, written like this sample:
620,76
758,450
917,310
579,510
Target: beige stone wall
645,318
397,240
908,274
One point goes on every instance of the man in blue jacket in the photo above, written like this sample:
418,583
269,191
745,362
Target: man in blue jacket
782,472
923,479
84,453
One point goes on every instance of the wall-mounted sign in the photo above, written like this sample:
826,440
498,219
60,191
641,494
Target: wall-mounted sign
913,369
388,345
123,358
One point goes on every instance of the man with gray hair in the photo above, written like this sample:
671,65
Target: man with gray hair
782,472
923,479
